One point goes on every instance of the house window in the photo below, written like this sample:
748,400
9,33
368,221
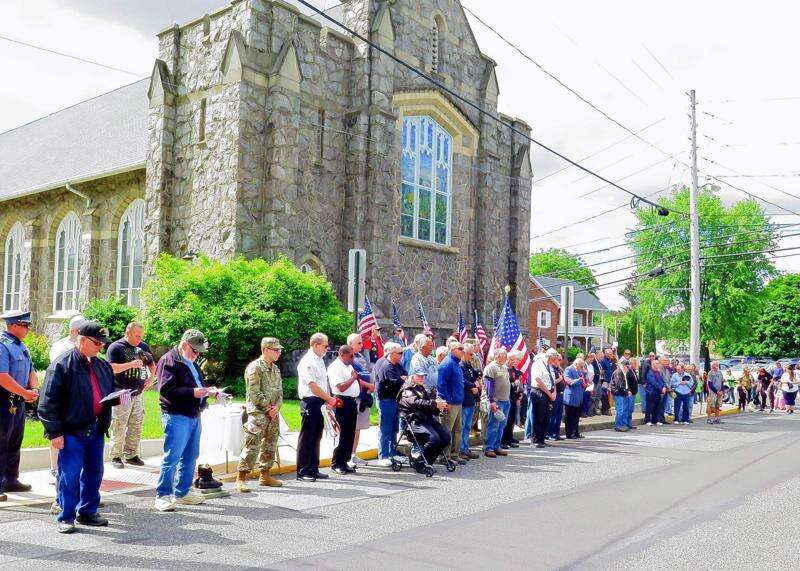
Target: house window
435,46
12,292
130,248
577,319
67,276
544,318
425,192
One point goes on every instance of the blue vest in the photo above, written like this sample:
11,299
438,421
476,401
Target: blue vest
15,359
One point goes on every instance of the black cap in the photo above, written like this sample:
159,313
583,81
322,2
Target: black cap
94,330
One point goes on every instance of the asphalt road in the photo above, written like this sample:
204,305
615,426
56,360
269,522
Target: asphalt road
657,498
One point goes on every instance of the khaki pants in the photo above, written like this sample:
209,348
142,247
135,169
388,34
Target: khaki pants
451,420
260,441
126,428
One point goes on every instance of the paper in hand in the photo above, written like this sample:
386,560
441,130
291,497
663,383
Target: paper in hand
120,394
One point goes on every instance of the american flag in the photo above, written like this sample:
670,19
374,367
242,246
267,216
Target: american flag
396,320
480,333
494,320
366,321
426,328
125,398
462,328
508,336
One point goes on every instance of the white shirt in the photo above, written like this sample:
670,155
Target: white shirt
60,347
338,372
589,372
311,368
541,370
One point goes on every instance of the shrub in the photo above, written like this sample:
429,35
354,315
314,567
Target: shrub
236,303
39,347
112,314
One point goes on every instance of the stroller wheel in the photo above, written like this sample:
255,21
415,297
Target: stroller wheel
450,465
396,466
429,471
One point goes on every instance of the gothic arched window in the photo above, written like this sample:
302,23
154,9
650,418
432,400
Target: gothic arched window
68,264
12,292
425,193
130,251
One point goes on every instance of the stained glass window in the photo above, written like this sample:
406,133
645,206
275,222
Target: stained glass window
68,266
12,292
425,191
130,253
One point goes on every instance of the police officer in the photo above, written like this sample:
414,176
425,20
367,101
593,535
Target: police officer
264,400
18,385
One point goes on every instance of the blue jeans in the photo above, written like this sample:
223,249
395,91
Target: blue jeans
181,449
529,420
683,408
668,402
643,399
494,428
467,413
80,471
621,404
631,404
554,424
390,424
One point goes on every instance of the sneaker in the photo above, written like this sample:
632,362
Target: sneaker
649,424
117,463
399,458
190,499
659,424
383,462
94,520
135,461
66,527
55,509
165,504
356,461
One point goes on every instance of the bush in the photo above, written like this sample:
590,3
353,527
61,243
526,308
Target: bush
39,347
236,303
238,388
112,314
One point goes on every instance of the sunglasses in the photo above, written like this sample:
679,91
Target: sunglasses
95,342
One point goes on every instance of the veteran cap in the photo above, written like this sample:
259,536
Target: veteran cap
94,330
196,340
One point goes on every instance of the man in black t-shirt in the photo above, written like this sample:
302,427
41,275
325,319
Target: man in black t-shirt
134,368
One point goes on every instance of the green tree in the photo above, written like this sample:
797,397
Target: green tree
732,277
777,332
561,264
236,303
111,313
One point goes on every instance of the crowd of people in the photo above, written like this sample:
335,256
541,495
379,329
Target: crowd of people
442,400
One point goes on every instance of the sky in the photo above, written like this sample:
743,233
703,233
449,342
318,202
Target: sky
635,61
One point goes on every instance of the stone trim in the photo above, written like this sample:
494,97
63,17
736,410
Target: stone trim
414,243
436,105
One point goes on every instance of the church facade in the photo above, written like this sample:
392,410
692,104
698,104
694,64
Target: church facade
263,131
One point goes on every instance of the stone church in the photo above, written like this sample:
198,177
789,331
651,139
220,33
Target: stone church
264,131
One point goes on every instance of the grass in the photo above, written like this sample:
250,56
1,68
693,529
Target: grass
151,428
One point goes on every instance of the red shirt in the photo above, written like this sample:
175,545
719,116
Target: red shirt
97,395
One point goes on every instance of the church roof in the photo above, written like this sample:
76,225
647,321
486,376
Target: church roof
98,137
583,299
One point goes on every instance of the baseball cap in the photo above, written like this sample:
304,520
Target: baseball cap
196,340
271,342
94,330
74,323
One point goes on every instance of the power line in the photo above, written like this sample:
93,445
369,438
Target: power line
655,164
70,56
471,104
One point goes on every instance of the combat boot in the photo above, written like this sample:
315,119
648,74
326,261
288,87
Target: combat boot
241,481
267,480
205,478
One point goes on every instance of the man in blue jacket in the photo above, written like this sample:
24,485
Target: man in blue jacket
450,385
76,422
656,388
607,365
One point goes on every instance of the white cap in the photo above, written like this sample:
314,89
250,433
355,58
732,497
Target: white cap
73,323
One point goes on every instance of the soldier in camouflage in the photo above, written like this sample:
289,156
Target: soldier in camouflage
264,400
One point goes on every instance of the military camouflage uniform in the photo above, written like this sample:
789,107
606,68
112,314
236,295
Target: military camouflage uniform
264,388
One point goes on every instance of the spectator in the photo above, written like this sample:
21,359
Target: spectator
592,375
450,384
183,397
619,389
422,360
67,343
515,377
716,388
574,384
744,388
314,392
365,399
633,390
668,401
543,393
398,336
471,391
441,353
388,376
644,368
496,395
764,384
345,386
557,410
421,410
607,366
682,383
655,389
75,420
789,388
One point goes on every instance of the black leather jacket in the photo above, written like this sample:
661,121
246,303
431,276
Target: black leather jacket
66,401
417,403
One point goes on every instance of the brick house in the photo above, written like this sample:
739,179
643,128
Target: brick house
586,328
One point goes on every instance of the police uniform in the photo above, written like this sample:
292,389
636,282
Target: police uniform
264,389
15,361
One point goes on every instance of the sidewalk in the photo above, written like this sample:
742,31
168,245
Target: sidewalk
137,479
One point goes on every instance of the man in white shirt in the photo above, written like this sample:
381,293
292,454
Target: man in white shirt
543,392
66,343
313,390
345,385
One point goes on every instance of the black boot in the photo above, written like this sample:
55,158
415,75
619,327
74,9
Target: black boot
205,479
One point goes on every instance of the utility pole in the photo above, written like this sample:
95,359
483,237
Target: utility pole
694,246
